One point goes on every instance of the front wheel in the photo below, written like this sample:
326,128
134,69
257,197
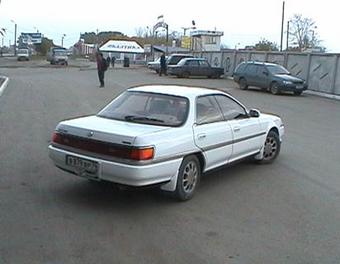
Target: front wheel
297,92
272,147
275,88
188,178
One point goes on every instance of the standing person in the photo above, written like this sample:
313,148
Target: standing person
113,61
101,67
163,65
108,60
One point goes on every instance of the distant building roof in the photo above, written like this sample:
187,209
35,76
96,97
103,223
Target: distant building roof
170,49
124,46
197,33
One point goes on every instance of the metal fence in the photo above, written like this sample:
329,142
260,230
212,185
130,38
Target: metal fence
321,71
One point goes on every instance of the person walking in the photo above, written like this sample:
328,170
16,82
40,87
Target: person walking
101,68
108,60
113,61
163,65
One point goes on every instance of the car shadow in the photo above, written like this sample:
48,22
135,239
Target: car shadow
106,195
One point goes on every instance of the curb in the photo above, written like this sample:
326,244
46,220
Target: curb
4,84
325,95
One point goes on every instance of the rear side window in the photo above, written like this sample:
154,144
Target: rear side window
240,67
192,63
251,69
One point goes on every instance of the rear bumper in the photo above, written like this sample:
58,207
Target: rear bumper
131,175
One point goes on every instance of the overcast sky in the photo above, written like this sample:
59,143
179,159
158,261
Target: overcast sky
244,22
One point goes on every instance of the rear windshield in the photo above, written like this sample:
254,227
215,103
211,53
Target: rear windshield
60,53
23,51
148,108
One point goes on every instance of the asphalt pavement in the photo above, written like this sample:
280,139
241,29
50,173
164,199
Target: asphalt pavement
285,212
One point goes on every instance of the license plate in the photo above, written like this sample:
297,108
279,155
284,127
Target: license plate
84,167
299,86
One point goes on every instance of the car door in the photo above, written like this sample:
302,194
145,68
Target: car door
204,68
250,74
247,131
212,134
193,68
261,79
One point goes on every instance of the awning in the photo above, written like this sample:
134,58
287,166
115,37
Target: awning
121,46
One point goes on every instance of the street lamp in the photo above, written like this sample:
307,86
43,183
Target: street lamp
62,40
15,37
313,35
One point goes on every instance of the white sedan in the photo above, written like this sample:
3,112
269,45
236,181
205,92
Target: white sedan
164,135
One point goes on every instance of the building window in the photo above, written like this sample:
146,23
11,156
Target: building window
211,40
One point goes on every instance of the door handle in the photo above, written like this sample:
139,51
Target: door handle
201,136
236,129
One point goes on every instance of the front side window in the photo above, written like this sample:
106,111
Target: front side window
230,109
277,69
207,110
148,108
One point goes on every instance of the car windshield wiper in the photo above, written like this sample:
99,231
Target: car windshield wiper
142,118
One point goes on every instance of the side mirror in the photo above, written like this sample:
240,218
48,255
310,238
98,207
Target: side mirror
254,113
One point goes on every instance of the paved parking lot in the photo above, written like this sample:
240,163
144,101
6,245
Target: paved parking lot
286,212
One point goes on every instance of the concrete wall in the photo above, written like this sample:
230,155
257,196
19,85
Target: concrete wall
321,71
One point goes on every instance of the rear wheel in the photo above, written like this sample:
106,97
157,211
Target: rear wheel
274,89
297,92
186,74
243,84
188,178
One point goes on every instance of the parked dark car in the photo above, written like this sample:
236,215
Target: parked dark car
268,76
195,67
173,59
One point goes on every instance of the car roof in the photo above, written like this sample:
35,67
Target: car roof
261,63
177,90
198,59
180,54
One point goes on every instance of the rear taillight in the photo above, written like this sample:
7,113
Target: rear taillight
142,153
104,148
56,137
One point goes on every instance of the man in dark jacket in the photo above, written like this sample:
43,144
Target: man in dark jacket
163,65
101,67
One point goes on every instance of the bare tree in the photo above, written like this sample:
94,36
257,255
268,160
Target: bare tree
140,32
303,32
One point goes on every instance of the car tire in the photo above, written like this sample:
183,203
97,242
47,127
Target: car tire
188,179
157,71
274,88
271,148
297,92
243,84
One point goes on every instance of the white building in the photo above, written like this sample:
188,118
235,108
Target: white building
206,40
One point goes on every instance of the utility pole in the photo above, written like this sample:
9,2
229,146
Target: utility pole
15,37
283,18
287,36
167,37
62,40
